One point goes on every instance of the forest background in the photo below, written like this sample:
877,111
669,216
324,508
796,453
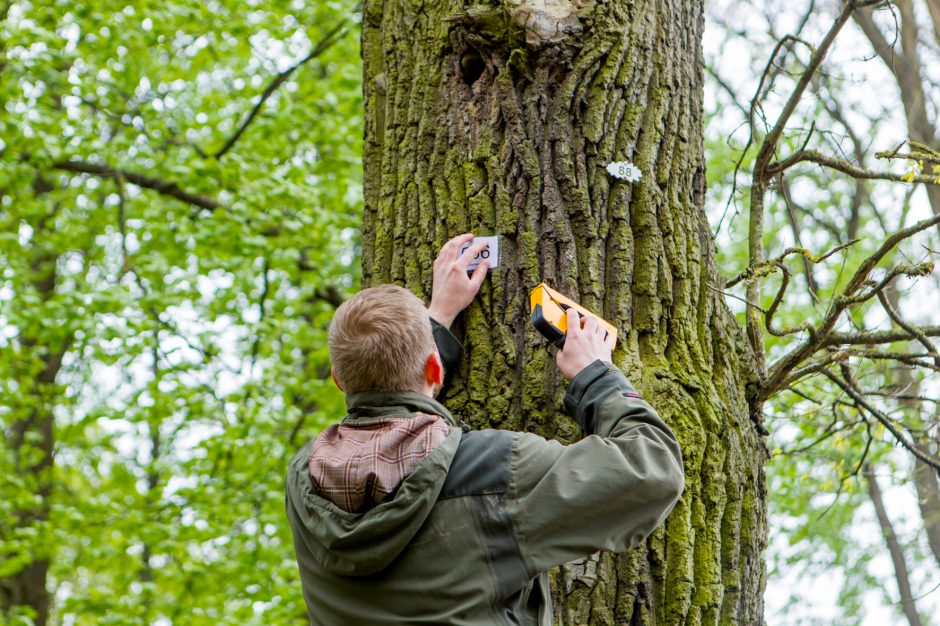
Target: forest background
181,199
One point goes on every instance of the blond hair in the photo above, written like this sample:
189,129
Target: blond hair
380,340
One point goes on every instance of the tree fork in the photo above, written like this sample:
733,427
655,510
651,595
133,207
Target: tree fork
500,119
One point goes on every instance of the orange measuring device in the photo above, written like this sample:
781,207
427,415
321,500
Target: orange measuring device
549,317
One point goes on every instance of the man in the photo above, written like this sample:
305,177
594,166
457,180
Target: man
400,516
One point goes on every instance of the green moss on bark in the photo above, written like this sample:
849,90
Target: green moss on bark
470,128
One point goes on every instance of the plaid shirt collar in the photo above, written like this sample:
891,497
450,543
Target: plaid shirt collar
372,404
361,462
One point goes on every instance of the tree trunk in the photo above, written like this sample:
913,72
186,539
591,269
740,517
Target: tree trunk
927,486
901,572
30,439
499,119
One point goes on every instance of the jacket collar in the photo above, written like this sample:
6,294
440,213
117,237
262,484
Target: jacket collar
369,404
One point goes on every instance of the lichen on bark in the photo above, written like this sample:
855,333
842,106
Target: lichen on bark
475,123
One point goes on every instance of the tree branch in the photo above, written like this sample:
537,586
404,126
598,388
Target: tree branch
769,316
840,165
769,145
933,7
761,177
903,396
876,337
262,311
811,284
922,269
919,153
834,108
915,332
861,275
164,187
888,423
328,40
330,294
836,356
882,47
729,91
770,265
782,368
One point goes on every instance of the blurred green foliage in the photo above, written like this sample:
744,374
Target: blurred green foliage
192,338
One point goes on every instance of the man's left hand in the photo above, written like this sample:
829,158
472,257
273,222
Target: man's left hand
453,288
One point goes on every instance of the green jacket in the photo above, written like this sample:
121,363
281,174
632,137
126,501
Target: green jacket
469,536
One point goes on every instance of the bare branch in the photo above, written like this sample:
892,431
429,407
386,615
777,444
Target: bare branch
902,396
861,189
913,330
771,265
835,356
781,369
868,441
888,423
828,432
766,80
933,7
875,355
768,317
882,47
739,298
861,275
729,91
769,145
905,269
761,176
811,284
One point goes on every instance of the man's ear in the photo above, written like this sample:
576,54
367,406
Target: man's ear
336,380
434,370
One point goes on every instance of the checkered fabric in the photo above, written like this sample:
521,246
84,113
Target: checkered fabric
359,465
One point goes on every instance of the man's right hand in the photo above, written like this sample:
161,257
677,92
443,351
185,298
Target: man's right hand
453,288
583,344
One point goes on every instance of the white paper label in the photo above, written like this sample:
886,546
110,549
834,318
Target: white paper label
490,254
624,170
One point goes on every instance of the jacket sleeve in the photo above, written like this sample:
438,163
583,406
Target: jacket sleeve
608,491
448,347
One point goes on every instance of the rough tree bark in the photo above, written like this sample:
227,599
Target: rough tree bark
499,118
